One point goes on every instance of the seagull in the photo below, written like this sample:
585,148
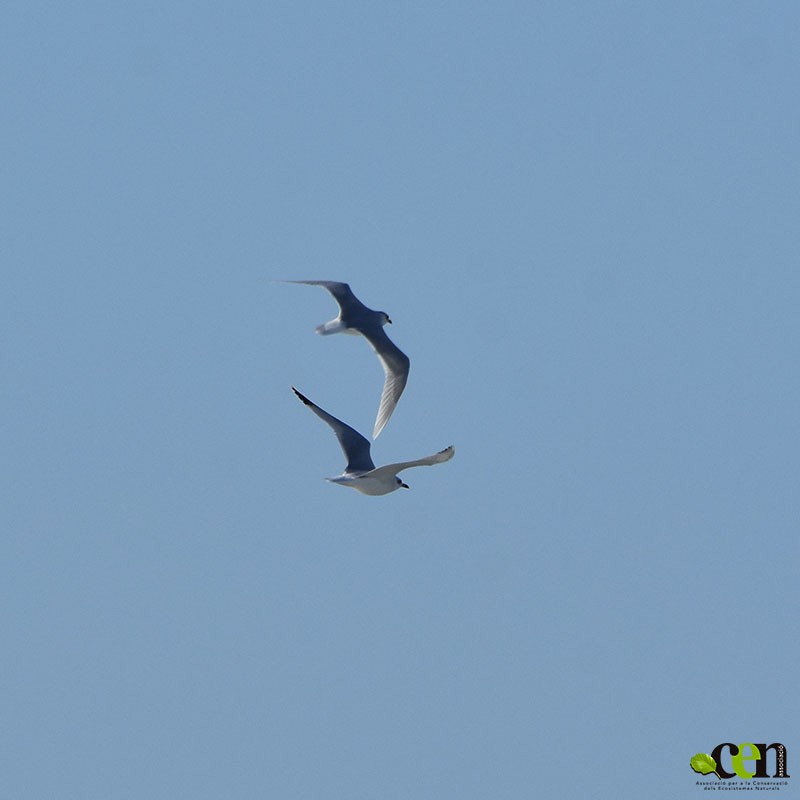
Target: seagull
354,318
360,472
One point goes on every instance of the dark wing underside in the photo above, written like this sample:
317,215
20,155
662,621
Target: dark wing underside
349,304
355,446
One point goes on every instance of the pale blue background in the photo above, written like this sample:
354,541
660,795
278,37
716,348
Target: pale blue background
583,219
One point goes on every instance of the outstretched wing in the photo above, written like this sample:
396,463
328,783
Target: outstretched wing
342,294
437,458
355,446
395,365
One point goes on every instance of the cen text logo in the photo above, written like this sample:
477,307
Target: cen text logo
747,760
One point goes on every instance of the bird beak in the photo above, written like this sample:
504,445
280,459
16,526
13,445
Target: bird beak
404,485
388,320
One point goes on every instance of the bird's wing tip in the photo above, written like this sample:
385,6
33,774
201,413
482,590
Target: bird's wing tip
380,424
301,396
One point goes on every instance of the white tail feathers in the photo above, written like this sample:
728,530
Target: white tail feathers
334,326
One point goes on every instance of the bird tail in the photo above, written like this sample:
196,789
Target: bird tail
334,326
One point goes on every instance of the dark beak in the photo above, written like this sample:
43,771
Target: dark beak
404,485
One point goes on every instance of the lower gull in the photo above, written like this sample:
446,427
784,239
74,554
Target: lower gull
360,473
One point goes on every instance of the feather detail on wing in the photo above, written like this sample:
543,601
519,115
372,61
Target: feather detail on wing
436,458
396,365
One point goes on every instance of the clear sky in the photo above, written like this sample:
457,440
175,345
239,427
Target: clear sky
583,220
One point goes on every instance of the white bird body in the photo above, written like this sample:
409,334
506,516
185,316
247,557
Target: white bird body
366,483
360,473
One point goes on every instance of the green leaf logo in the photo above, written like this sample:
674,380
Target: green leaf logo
704,764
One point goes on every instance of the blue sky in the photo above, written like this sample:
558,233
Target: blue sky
583,221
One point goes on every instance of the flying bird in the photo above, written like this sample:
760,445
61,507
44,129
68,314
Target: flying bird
354,318
360,472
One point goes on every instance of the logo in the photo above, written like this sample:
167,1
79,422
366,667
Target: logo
746,761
